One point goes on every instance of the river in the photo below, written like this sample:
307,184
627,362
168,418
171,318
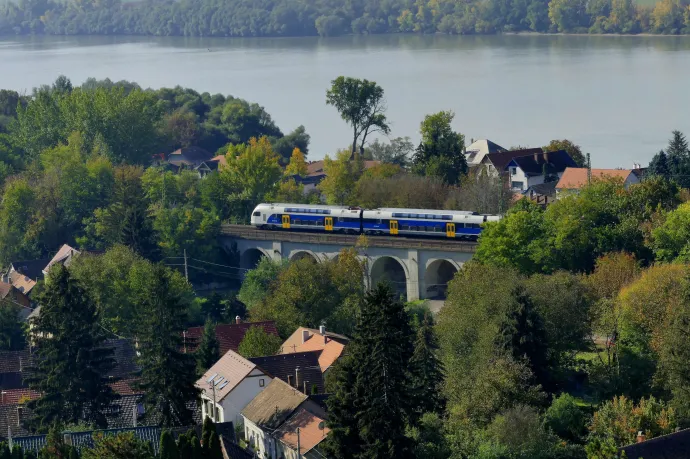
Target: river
618,97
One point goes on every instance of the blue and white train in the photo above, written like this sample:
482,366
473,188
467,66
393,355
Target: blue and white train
385,221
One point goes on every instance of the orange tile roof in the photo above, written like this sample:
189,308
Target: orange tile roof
126,387
332,345
310,433
13,396
232,367
576,177
332,350
222,160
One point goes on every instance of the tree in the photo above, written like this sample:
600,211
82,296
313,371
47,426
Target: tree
55,447
258,343
297,165
361,104
678,157
214,450
257,282
71,358
620,419
208,428
11,330
566,419
342,174
208,351
426,370
571,148
659,165
567,15
168,375
441,152
168,447
670,239
123,445
253,171
398,151
370,405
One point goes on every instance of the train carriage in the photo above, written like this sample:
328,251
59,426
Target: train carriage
385,221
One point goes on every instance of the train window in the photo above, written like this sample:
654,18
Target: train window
257,214
473,225
438,229
459,225
446,217
295,221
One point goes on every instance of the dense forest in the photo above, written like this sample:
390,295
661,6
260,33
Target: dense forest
242,18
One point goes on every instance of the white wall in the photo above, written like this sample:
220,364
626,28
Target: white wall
263,445
233,403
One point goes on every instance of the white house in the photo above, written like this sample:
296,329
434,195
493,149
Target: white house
231,383
274,419
476,151
535,169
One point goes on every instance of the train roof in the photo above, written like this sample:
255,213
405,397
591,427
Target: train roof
303,206
425,211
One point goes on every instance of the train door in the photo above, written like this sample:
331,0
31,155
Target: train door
286,221
450,230
394,227
328,223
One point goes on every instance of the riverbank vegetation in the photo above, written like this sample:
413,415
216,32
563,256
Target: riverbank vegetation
240,18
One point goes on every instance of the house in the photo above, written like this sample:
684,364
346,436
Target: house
495,164
64,257
229,336
272,418
478,149
537,168
10,294
574,178
232,450
13,365
206,168
672,446
542,193
189,157
305,339
24,275
229,385
299,369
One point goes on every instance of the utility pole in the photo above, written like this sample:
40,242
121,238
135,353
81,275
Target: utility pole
186,275
213,387
299,452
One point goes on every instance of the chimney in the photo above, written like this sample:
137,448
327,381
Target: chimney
305,388
289,378
322,330
297,378
305,336
546,156
536,157
238,320
641,436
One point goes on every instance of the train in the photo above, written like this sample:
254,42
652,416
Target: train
453,224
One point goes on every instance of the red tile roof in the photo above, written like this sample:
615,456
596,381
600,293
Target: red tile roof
229,335
126,387
13,396
576,177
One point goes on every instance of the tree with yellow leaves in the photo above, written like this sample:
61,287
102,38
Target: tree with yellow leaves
253,171
342,174
297,165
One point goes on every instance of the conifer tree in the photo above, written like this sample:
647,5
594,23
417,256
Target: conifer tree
137,232
678,156
208,352
370,406
5,452
427,370
197,450
659,165
168,448
71,358
168,375
208,428
184,447
214,450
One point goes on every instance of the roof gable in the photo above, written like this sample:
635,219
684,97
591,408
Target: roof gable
273,405
576,177
195,154
227,373
501,159
64,256
555,162
311,427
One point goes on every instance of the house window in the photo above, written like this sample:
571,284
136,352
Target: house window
513,170
517,185
261,382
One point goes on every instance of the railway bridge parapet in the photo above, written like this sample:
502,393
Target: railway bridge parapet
418,268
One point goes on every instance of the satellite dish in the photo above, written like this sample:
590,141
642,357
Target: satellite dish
322,425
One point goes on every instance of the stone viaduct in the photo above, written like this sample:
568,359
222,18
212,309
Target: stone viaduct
418,268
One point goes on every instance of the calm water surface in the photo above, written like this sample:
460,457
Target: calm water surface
619,97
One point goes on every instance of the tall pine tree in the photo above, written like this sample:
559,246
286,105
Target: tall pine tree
208,351
659,165
371,404
168,375
168,447
426,370
72,360
678,156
